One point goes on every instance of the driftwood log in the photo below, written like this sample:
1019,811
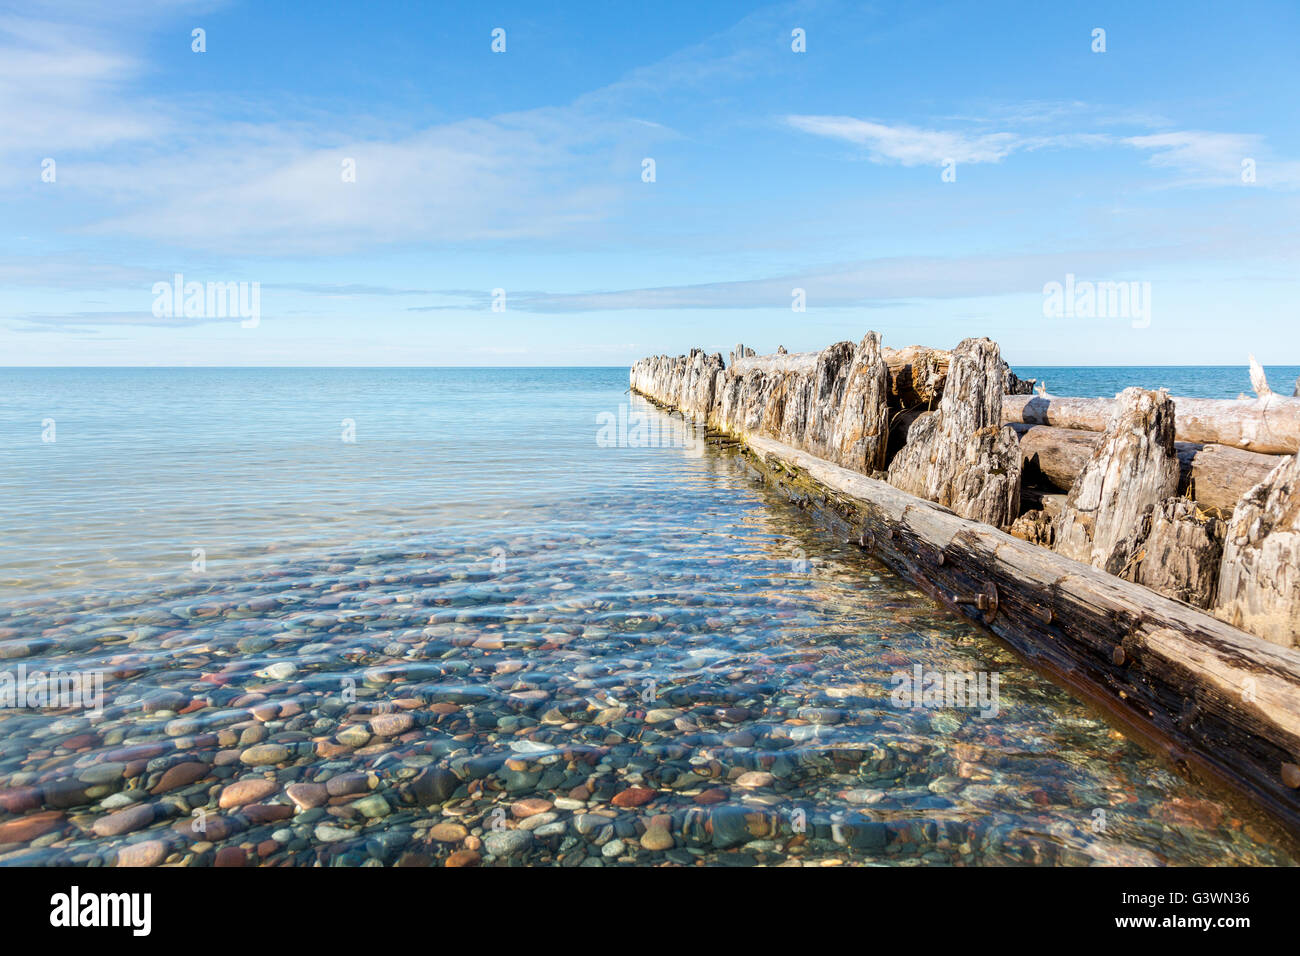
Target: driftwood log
686,382
917,375
832,403
1217,698
1222,699
1216,476
1055,455
1259,584
1270,425
961,456
1131,470
1180,550
1219,477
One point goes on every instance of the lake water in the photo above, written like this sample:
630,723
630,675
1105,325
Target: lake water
1191,380
428,617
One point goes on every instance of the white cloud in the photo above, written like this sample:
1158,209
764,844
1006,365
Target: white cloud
911,145
863,284
529,175
59,90
1215,159
1198,158
174,172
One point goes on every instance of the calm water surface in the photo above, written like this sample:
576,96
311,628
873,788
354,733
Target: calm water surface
474,634
1194,381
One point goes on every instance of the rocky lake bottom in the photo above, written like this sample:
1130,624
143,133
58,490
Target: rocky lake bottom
507,645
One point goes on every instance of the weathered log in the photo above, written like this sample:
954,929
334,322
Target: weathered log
859,424
900,428
1036,499
1130,471
1258,380
1216,476
738,353
1055,455
1268,425
1259,583
960,456
833,403
1015,385
686,382
1035,527
1227,701
1180,552
917,375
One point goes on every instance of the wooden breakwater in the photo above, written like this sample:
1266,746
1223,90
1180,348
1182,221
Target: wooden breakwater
1148,562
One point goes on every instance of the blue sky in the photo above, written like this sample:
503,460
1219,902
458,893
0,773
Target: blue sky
774,170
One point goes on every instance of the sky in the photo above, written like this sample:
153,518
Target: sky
615,180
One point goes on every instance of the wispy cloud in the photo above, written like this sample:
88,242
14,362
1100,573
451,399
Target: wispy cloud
892,280
911,145
90,321
870,283
176,172
165,166
345,290
1197,158
520,176
73,271
61,87
1216,159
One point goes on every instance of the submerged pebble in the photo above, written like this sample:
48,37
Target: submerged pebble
676,668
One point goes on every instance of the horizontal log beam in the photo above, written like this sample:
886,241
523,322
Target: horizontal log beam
1270,425
1215,475
1224,701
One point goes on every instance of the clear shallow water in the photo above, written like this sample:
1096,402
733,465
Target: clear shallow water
475,633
